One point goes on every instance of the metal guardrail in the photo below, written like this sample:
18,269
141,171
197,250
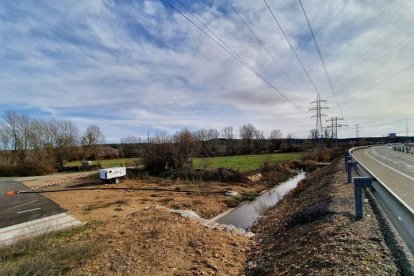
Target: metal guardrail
399,213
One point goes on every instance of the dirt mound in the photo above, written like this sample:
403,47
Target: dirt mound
156,242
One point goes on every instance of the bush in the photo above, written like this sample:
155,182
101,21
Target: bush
220,175
32,163
319,155
157,158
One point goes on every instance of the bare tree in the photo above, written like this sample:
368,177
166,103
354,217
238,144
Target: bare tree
289,140
130,146
313,134
91,140
10,125
185,145
247,133
258,140
275,138
206,140
212,141
227,133
4,138
65,138
328,136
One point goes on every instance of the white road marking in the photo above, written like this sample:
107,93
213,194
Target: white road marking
25,211
382,163
18,206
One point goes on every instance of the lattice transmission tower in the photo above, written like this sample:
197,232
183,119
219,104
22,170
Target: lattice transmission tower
319,105
334,126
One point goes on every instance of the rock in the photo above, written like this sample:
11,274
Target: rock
249,234
231,193
239,231
229,227
210,265
251,265
187,214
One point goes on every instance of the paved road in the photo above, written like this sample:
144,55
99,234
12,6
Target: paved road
395,169
23,207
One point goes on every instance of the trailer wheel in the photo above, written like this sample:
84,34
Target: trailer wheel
116,180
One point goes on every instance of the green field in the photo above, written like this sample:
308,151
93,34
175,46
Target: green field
107,163
243,163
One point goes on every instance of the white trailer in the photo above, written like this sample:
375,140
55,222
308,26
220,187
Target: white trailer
112,175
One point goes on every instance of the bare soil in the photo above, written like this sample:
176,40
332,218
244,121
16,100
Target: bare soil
138,239
313,231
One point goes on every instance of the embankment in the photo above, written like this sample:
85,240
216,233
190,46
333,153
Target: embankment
312,231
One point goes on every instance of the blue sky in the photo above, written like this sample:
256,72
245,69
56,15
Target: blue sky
138,67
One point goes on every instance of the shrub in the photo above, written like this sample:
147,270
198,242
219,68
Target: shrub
319,155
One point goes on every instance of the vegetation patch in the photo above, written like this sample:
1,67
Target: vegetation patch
51,254
244,163
235,201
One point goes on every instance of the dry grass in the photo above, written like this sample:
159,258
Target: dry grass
91,207
50,254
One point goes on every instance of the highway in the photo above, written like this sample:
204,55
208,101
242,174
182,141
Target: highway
395,169
23,207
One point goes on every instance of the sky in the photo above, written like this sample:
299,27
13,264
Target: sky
140,67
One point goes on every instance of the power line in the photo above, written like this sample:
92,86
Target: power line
359,75
229,51
372,41
265,48
387,79
321,58
291,47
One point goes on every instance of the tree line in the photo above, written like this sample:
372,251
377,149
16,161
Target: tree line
212,142
32,146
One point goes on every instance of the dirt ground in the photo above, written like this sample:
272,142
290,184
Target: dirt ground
138,239
313,231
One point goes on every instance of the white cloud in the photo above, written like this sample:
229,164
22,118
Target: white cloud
139,66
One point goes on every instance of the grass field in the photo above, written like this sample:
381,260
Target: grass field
107,163
243,163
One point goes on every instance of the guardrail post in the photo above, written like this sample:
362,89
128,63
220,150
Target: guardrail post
359,183
351,164
347,158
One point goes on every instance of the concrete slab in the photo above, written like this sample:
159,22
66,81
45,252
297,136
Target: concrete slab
14,233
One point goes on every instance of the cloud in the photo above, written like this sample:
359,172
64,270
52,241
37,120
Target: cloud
139,66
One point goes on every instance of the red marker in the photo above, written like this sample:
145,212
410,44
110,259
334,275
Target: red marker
11,193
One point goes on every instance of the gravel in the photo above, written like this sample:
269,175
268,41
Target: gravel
312,231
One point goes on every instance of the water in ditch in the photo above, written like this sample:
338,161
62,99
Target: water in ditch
247,213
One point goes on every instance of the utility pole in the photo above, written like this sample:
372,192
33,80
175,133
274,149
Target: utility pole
334,127
357,131
318,107
406,128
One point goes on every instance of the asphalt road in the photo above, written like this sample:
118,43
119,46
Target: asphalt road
23,207
395,169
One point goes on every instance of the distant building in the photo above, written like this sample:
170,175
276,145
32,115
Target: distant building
392,135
